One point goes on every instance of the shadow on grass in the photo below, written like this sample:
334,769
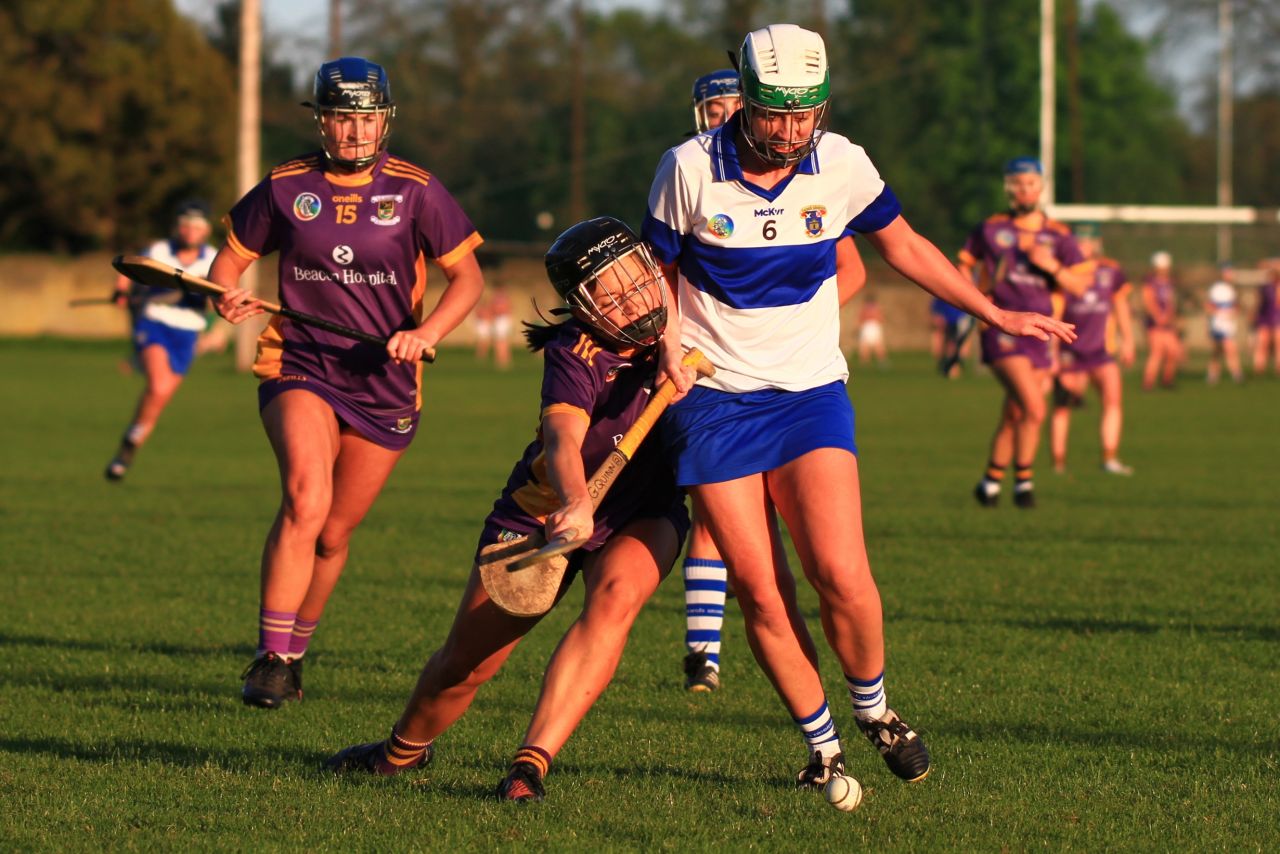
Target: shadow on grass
1098,626
988,731
210,650
167,753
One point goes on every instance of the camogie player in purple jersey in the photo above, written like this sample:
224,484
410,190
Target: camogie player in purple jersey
354,227
1104,326
1160,305
599,368
1022,256
1266,321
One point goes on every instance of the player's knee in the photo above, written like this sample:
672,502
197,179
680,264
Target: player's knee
844,585
305,507
331,542
1066,398
615,602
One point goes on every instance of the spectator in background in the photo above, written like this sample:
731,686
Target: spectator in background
871,332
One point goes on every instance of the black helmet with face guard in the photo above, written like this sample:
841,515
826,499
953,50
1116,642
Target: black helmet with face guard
352,84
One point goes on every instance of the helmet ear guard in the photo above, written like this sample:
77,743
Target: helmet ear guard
352,84
611,282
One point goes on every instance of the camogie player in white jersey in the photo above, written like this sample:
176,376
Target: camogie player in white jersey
746,221
166,325
716,97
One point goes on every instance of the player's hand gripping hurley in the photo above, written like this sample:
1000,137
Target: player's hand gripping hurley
157,275
523,576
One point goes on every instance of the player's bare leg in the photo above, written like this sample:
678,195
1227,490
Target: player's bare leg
818,495
1159,356
1231,354
619,580
359,473
303,432
737,514
1072,385
162,383
1017,435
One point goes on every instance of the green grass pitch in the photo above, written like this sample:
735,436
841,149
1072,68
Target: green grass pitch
1098,674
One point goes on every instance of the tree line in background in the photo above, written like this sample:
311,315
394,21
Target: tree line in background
125,107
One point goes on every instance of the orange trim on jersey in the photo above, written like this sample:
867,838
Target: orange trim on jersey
536,497
457,253
567,408
349,180
304,160
416,299
389,170
1059,303
267,364
238,247
405,165
297,167
277,175
999,217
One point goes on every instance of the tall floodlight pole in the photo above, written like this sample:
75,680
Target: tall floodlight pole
335,28
1047,96
249,152
1226,101
578,119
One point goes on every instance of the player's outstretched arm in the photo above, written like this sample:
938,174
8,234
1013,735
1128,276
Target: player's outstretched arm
920,261
562,436
670,350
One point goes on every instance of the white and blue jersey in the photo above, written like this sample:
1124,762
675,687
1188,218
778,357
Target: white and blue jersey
167,318
757,285
757,295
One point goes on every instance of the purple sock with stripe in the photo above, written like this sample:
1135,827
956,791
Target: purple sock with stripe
301,636
275,630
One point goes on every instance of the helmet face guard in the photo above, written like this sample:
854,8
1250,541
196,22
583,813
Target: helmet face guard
786,87
718,87
611,282
352,86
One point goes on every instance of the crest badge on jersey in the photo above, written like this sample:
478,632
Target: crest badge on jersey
306,206
384,210
813,215
403,425
1005,238
720,226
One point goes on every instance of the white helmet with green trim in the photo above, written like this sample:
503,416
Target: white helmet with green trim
785,83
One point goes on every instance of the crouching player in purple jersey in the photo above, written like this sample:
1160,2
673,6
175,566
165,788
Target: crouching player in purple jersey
716,97
746,222
1104,326
354,227
1024,256
599,368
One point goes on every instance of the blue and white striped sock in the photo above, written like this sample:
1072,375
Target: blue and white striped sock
704,586
820,732
869,702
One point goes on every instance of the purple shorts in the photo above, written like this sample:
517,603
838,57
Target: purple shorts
392,429
1069,361
498,529
997,345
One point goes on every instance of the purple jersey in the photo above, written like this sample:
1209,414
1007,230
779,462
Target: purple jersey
1161,290
352,250
582,376
1000,246
1091,311
1268,305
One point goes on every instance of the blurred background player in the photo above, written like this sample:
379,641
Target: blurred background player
1104,327
1024,256
949,330
493,326
871,332
166,327
1160,308
774,428
598,369
1266,321
716,97
354,226
1223,316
